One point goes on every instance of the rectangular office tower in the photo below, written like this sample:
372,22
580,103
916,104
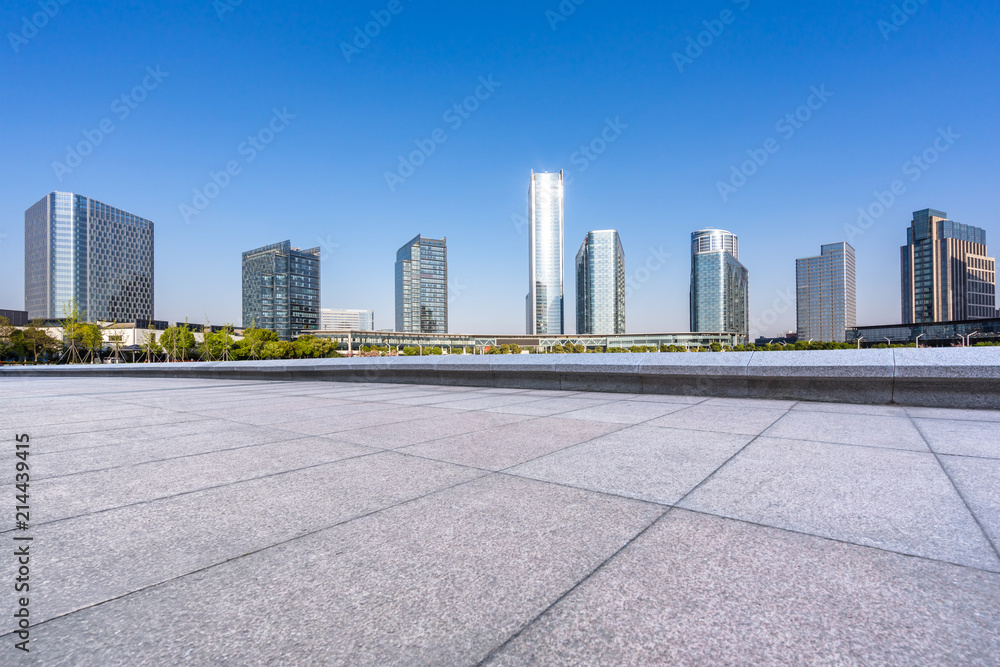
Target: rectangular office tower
719,284
826,294
422,286
81,251
348,320
544,303
281,289
946,273
600,284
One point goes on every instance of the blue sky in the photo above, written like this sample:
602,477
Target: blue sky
199,79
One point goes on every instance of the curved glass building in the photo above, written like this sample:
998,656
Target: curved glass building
544,304
719,283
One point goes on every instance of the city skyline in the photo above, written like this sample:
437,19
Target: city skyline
645,137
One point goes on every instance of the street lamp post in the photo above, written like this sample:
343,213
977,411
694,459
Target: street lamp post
860,338
888,341
917,341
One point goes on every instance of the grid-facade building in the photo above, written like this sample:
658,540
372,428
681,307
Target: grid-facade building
719,284
826,294
600,284
544,307
422,286
336,319
946,272
281,289
79,251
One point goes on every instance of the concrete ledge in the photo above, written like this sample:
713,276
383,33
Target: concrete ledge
953,377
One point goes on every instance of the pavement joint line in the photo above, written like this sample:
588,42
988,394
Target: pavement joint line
951,419
255,551
846,444
104,430
177,458
838,540
569,591
207,488
972,513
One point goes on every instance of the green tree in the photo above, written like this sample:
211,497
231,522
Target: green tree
91,337
177,342
38,342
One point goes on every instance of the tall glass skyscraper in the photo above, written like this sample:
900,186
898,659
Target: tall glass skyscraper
79,250
719,284
600,284
422,286
946,273
544,303
281,289
826,294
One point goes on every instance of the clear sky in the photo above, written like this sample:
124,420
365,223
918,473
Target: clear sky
184,86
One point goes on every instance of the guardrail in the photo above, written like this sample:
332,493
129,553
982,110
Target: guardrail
941,377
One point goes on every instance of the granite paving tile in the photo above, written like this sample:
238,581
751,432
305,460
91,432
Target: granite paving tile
625,412
394,436
700,590
84,493
546,407
891,499
486,402
849,429
851,409
438,581
965,438
97,557
506,446
721,419
955,414
978,480
347,418
644,462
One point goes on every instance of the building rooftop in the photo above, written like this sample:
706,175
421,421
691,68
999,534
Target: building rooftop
216,521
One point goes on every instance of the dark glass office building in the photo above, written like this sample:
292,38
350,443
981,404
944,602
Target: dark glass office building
79,250
719,284
946,273
422,286
600,284
281,289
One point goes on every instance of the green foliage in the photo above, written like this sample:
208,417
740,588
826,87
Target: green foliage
177,342
37,342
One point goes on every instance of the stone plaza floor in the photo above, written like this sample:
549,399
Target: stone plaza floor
221,522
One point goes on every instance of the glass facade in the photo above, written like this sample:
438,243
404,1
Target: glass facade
826,294
281,289
422,286
544,304
348,320
932,334
600,284
946,272
79,250
719,284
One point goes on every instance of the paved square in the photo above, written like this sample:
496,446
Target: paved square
191,521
